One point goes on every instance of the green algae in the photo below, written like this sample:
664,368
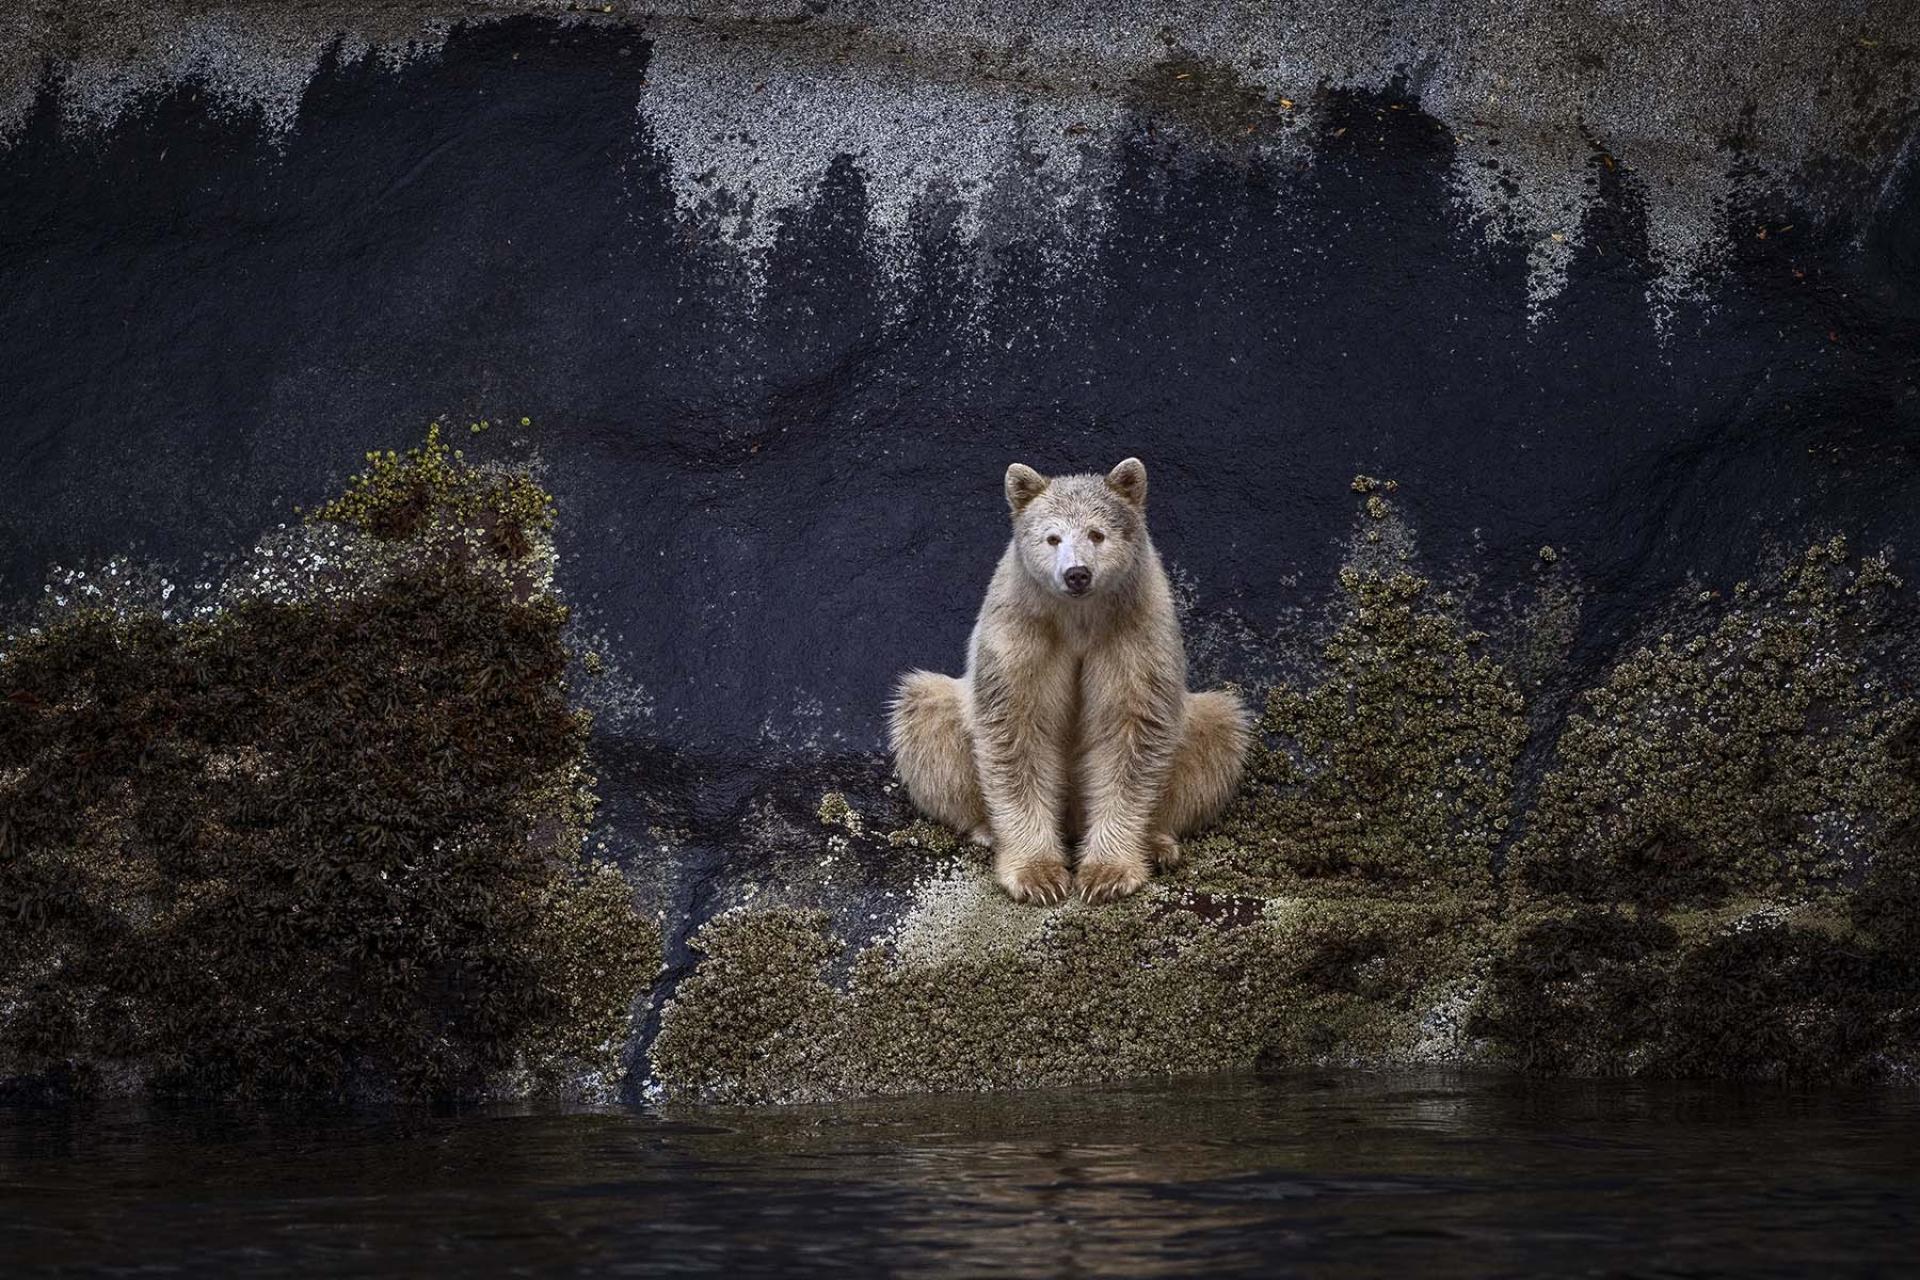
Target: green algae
942,843
1158,985
755,1021
318,844
835,811
403,495
1768,993
1543,641
1886,905
1719,875
1394,772
1748,757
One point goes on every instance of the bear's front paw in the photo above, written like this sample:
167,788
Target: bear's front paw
1164,850
1040,881
1109,879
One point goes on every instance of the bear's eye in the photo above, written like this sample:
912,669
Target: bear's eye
1053,539
1094,535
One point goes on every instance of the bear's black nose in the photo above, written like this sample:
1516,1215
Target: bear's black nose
1078,578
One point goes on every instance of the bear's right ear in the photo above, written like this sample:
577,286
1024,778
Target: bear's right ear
1024,484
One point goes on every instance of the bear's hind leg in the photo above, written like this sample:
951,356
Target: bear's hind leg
933,749
1206,771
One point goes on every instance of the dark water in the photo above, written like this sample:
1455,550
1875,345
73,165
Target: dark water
1328,1175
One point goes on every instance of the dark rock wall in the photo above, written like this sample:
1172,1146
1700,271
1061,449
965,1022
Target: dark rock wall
774,412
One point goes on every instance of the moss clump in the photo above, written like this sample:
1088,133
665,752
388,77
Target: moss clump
1690,891
1572,995
1784,1000
1887,905
1394,772
410,494
835,811
1766,994
1163,984
312,845
1739,760
756,1020
938,843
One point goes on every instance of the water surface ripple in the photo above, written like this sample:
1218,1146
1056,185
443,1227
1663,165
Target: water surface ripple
1331,1174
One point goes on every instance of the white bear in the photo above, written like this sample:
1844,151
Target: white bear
1073,721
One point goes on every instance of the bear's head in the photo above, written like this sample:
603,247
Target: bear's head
1080,536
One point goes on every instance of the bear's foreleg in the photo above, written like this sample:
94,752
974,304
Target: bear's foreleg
1133,718
1019,708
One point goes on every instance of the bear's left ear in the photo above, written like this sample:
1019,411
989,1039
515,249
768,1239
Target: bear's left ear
1129,480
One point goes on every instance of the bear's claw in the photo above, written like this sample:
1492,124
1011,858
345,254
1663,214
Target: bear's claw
1109,881
1165,851
1047,883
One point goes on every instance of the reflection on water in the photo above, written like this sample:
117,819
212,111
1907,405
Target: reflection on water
1333,1174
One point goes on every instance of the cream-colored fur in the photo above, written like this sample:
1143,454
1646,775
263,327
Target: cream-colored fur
1073,721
